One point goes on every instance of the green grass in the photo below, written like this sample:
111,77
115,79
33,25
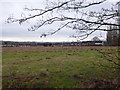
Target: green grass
56,69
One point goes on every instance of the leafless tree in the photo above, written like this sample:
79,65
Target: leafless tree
113,39
113,36
82,20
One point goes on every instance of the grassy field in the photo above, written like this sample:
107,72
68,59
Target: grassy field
57,67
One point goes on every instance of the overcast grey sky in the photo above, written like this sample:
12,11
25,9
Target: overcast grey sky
16,32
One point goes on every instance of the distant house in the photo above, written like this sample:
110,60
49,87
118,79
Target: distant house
97,41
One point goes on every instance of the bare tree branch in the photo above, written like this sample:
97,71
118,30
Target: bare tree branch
85,6
109,58
95,18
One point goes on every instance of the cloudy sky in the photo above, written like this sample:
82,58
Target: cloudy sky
16,32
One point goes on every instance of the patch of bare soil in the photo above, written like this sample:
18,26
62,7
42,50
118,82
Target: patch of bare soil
76,76
102,83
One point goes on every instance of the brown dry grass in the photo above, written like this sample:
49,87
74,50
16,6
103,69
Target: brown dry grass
50,49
